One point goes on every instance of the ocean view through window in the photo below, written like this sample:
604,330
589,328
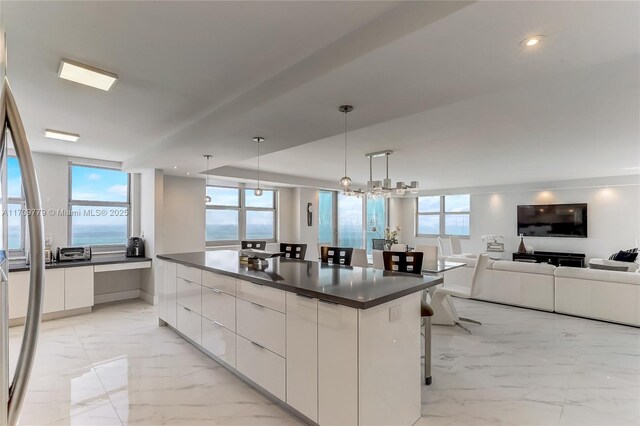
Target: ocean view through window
443,215
15,206
98,206
235,214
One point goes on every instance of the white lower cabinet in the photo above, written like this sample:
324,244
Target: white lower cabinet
261,325
302,354
337,364
219,341
219,307
78,287
170,292
53,290
189,323
262,366
189,294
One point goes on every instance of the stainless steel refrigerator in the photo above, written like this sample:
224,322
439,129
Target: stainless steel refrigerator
13,389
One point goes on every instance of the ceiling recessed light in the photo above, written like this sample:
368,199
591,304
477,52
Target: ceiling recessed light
532,41
87,75
63,136
188,173
175,167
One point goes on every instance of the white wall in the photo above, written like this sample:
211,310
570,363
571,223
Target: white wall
613,219
151,224
183,214
302,233
53,179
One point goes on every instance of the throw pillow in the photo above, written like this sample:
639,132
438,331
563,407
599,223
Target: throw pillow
625,256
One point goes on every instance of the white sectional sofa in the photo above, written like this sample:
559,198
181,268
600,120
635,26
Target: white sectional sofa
591,293
598,294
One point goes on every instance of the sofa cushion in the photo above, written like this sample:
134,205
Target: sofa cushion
598,275
524,267
469,261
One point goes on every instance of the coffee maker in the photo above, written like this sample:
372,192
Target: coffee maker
135,247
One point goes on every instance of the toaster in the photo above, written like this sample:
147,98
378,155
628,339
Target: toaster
68,254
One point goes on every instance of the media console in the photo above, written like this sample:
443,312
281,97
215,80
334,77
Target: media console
576,260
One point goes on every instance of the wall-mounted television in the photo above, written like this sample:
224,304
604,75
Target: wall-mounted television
553,220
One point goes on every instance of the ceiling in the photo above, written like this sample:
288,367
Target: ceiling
445,85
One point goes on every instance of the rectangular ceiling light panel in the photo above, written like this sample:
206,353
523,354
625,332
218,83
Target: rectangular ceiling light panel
87,75
63,136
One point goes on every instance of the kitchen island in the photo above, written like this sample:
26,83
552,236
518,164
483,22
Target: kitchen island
338,345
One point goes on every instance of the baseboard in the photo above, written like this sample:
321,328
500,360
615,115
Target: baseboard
115,296
148,298
53,315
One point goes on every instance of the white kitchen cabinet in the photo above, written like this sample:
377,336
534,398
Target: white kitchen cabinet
78,287
219,307
160,287
259,364
261,325
189,323
19,292
220,341
170,284
337,364
190,274
219,282
189,294
302,354
262,295
53,290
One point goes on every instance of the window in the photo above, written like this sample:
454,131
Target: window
235,214
326,217
443,215
350,221
376,219
15,207
98,205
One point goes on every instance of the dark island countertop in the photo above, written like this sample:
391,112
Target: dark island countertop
95,260
360,288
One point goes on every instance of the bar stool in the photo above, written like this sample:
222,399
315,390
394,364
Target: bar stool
411,262
336,255
252,244
293,251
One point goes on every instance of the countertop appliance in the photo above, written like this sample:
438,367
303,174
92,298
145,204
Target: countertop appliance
69,254
135,247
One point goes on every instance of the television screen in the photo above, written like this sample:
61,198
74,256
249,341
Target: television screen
553,220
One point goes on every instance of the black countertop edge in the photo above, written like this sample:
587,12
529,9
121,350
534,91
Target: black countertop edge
431,282
99,260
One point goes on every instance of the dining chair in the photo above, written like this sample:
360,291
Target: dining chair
454,243
359,258
336,255
378,259
293,251
430,253
398,247
253,244
445,311
402,261
441,247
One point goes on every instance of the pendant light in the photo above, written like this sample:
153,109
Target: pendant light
258,191
345,182
207,198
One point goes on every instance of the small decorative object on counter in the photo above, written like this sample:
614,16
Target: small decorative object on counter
522,248
257,259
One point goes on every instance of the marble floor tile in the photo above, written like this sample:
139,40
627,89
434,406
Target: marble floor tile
520,367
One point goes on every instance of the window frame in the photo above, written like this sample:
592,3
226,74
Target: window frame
242,210
101,248
19,252
441,215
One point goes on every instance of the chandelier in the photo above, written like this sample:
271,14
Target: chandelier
386,188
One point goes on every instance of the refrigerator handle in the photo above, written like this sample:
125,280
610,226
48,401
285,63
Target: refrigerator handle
12,121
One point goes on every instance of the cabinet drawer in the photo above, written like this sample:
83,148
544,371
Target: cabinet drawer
261,325
262,366
190,274
219,307
219,341
219,282
262,295
78,287
189,294
189,323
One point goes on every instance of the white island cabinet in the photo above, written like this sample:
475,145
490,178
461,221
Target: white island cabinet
330,363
